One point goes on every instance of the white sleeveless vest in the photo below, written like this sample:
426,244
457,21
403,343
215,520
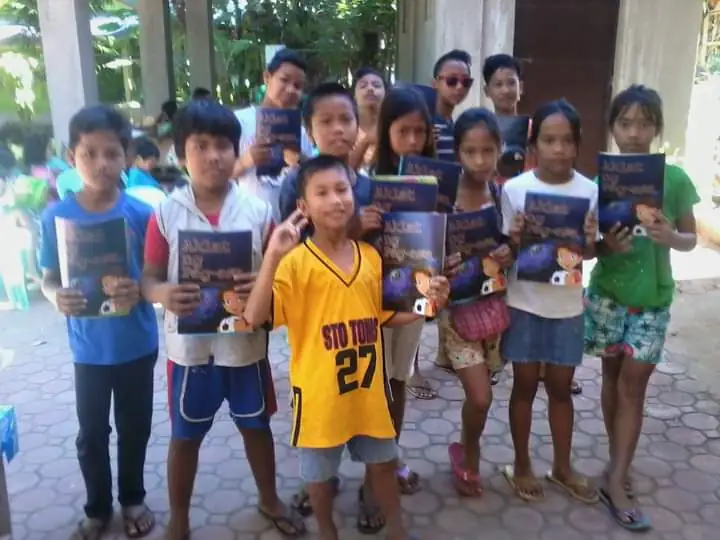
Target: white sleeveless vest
241,211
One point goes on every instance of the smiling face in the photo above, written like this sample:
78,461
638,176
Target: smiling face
232,303
422,282
568,259
453,82
328,200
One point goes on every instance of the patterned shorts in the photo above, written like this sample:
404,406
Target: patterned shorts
613,328
463,354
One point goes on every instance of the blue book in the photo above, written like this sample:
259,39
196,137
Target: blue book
282,129
92,257
553,241
447,174
212,260
413,251
474,235
405,193
630,190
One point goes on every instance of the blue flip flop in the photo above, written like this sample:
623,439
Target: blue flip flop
632,520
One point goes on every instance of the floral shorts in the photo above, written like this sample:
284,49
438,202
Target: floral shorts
463,354
613,328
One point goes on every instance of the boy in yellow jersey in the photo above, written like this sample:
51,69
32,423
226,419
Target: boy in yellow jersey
327,290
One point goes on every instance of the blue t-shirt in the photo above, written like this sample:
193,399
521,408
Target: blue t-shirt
138,177
111,340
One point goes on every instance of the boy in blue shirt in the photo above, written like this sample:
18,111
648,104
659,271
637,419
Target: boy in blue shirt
114,356
147,156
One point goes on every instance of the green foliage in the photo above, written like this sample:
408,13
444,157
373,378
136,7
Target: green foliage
336,37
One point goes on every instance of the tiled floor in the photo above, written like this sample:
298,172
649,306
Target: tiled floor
677,468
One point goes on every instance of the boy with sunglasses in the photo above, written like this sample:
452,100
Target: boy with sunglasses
452,82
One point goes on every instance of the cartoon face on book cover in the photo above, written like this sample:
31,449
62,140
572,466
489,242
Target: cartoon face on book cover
474,235
413,252
212,260
93,258
630,190
553,240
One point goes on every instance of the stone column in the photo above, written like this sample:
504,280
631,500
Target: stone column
156,55
69,59
200,44
430,28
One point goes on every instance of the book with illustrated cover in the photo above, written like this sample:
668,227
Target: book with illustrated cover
515,131
630,190
553,241
212,259
92,257
413,251
405,193
474,235
447,174
282,129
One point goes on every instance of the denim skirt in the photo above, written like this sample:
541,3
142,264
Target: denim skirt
531,338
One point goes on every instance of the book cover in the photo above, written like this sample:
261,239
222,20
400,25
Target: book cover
515,130
282,129
212,260
551,249
405,193
630,190
447,174
413,251
92,257
474,235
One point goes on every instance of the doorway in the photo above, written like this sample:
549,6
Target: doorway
567,50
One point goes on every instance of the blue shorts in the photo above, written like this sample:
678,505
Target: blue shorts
531,338
613,328
195,394
321,464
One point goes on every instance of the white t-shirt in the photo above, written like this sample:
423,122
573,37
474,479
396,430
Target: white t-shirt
543,299
265,187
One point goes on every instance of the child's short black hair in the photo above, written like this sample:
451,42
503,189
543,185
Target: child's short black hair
201,93
560,106
205,117
322,91
646,98
99,118
169,108
471,118
320,163
500,61
286,56
362,72
145,148
456,55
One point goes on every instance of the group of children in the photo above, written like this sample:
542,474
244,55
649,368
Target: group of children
350,360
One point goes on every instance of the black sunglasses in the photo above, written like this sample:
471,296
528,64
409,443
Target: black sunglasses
466,82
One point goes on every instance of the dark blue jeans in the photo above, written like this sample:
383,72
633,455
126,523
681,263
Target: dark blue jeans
130,386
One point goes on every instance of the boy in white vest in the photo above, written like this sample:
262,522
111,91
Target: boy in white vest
204,371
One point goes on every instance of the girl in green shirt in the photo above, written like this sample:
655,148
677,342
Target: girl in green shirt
628,300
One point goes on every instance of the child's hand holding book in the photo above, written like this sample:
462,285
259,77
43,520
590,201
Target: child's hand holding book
661,230
590,228
70,301
125,293
180,298
439,292
618,239
244,284
517,226
503,255
370,218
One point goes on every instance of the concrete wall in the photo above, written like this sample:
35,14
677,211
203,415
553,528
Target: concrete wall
656,46
429,28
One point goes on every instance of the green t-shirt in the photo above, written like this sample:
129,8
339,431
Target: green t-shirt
643,278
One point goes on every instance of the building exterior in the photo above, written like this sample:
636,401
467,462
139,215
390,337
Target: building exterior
582,50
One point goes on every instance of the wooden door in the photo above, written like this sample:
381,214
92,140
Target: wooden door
567,50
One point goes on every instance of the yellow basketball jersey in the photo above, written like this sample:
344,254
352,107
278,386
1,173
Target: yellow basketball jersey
337,374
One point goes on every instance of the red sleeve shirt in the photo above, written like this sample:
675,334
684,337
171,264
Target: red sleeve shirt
157,249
